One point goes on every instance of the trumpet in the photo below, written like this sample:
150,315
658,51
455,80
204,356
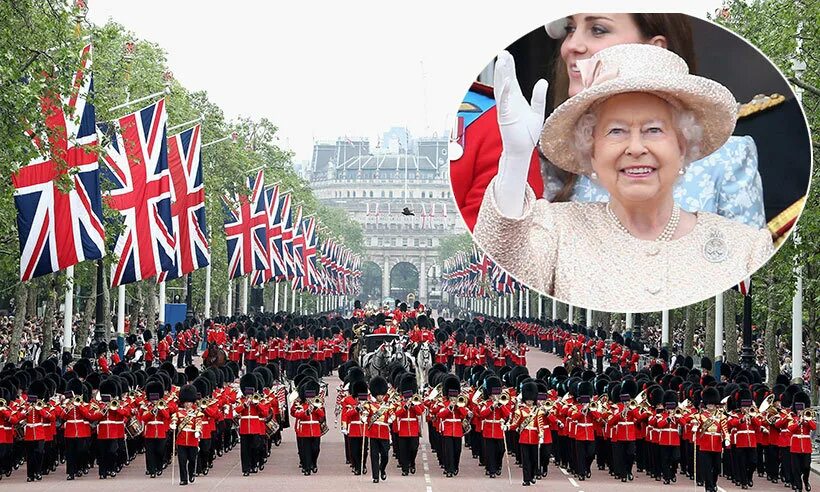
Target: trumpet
255,399
461,401
415,399
161,405
317,402
77,401
114,405
39,405
808,414
503,398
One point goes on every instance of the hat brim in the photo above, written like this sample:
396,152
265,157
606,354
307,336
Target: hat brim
713,105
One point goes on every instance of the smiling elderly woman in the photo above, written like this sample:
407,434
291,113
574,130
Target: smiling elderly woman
640,119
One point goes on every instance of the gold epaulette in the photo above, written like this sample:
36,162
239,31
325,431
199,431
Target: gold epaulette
759,103
780,225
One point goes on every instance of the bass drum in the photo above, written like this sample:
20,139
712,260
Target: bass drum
134,428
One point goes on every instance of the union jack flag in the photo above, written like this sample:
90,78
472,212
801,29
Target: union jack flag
188,206
59,229
286,218
137,166
246,229
276,266
311,277
297,246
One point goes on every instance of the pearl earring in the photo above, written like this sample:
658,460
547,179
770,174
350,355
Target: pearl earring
682,171
593,175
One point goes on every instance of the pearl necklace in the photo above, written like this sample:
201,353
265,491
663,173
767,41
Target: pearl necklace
666,234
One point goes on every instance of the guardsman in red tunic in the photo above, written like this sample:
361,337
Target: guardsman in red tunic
75,414
358,312
623,423
408,412
186,423
36,415
743,438
309,412
666,425
528,421
451,416
353,426
493,413
112,415
148,346
102,358
378,415
253,412
801,425
9,417
584,432
709,435
156,419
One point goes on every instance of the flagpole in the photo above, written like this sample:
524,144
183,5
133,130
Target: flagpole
554,308
161,314
276,297
120,311
718,334
746,354
285,295
301,303
244,295
208,291
230,297
665,328
293,298
68,314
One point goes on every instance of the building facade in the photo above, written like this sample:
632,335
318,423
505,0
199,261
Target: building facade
379,189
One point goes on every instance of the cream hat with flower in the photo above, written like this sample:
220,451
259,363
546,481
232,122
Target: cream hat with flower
639,68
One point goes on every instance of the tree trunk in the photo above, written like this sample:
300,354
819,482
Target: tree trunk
51,282
689,333
31,307
136,307
773,361
87,317
709,349
150,293
106,300
20,306
730,327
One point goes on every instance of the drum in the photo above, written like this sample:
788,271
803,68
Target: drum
134,428
272,427
324,427
20,431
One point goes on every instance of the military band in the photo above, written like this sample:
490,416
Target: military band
667,419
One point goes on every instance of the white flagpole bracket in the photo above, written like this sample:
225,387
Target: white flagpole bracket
163,92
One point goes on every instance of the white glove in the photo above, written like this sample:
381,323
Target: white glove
505,427
173,426
727,443
197,434
520,124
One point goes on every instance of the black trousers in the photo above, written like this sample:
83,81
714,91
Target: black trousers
309,448
801,468
785,464
585,453
75,454
493,455
744,460
408,450
772,461
452,453
709,468
529,460
181,359
379,454
247,451
34,458
203,463
250,365
107,455
357,458
599,365
544,460
186,456
154,454
669,459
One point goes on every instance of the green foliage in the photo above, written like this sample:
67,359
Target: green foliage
36,37
453,244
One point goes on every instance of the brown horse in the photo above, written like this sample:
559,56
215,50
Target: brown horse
216,356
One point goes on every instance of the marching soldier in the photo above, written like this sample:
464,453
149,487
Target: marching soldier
407,417
77,428
309,413
111,416
451,410
493,412
378,415
743,438
156,418
252,412
353,425
186,423
801,425
36,416
709,437
528,421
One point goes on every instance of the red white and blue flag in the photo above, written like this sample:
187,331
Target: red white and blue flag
310,281
298,248
59,228
137,166
246,225
286,218
276,263
188,205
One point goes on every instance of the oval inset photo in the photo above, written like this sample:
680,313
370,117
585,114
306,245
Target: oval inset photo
630,162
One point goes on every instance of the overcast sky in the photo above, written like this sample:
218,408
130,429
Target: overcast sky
320,70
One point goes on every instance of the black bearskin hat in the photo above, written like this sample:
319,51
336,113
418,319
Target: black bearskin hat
800,401
710,396
308,389
358,389
154,391
529,391
109,387
706,364
451,385
408,385
191,373
247,384
670,399
187,393
378,386
102,348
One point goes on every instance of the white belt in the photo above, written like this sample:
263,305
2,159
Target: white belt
3,427
155,422
356,422
801,436
494,421
75,422
711,434
35,425
746,432
409,420
112,422
309,421
380,423
667,430
583,425
249,417
451,420
626,423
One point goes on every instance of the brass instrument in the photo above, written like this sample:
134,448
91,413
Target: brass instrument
461,401
77,401
256,398
317,402
503,398
808,414
114,405
161,405
39,405
416,399
3,404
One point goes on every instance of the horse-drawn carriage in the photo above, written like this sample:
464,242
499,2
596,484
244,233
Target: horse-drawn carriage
380,353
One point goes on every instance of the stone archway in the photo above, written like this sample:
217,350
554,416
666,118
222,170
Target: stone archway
371,282
404,279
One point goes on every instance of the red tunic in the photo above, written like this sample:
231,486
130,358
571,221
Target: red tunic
308,419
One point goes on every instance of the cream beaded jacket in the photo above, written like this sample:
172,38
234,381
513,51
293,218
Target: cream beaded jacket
577,253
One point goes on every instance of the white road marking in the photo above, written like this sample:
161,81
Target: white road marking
426,465
563,471
573,482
